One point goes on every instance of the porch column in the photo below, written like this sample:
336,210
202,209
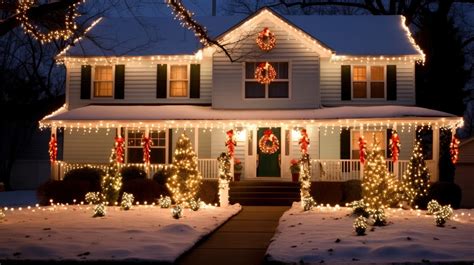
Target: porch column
196,141
147,165
54,166
435,173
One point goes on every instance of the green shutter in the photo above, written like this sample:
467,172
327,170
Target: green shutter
161,80
119,82
195,84
391,82
345,82
86,71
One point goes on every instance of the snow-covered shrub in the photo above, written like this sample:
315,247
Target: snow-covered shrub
93,197
127,201
443,215
433,207
99,210
195,204
177,212
380,219
360,225
164,202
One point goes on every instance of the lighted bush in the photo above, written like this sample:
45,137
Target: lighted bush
351,190
90,175
63,191
132,172
208,192
162,175
143,189
445,193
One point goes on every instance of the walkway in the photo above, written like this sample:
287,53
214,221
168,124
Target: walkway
242,240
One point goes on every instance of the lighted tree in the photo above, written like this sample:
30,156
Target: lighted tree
186,180
415,179
112,181
378,185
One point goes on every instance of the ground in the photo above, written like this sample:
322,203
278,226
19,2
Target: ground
326,235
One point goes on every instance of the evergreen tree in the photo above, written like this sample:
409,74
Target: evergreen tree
186,179
416,177
378,185
112,181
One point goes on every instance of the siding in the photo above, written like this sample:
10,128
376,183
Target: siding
329,144
176,134
217,143
80,147
140,85
331,85
228,90
466,152
204,144
407,140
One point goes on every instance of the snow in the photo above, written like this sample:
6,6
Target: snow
310,237
144,233
18,198
187,112
345,35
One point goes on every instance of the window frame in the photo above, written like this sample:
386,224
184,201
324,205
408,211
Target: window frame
384,132
245,79
168,79
151,147
369,81
93,96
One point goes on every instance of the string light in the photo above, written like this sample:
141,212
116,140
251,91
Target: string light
53,148
266,40
360,225
127,201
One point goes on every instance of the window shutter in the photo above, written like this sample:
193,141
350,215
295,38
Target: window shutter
86,71
389,135
119,81
345,144
391,82
161,81
195,80
345,82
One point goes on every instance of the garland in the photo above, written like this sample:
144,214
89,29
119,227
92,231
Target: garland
265,73
146,143
230,143
454,149
265,148
362,149
53,148
266,40
119,150
304,141
395,146
69,23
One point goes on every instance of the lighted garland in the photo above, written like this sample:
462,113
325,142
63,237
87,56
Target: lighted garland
186,17
304,141
265,73
266,40
69,23
268,143
53,148
305,181
395,146
224,166
119,149
454,149
146,144
230,143
362,149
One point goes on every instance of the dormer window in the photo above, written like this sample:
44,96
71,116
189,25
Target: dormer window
278,88
179,81
368,82
103,81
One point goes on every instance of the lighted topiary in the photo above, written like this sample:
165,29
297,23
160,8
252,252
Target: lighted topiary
127,201
433,207
186,180
360,225
380,219
112,181
308,203
195,204
177,212
100,210
443,215
164,202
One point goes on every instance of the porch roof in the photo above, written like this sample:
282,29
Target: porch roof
127,114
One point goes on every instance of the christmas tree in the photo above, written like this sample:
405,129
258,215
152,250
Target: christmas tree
186,179
112,181
416,177
378,185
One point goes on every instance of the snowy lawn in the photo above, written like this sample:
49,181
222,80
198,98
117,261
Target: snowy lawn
71,233
326,235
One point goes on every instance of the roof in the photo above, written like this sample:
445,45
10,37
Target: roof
142,36
143,113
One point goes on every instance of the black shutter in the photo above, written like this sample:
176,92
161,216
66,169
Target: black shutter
195,80
170,146
161,81
345,82
389,136
346,144
391,82
86,71
119,81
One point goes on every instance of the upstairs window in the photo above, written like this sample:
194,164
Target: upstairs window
103,81
278,88
135,149
368,82
179,81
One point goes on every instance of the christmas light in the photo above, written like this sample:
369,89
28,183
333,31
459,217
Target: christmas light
265,73
164,202
308,203
146,144
112,181
177,212
230,143
444,214
360,225
195,204
454,149
266,40
225,176
100,210
433,207
305,179
359,208
53,148
93,197
127,201
268,143
395,145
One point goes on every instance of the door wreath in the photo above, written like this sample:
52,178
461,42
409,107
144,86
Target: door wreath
269,143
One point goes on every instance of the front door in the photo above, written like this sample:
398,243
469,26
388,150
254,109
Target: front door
268,165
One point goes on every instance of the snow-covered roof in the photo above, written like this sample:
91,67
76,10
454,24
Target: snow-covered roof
142,36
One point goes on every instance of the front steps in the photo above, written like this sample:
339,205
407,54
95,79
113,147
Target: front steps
270,193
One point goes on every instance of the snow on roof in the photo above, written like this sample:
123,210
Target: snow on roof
144,113
345,35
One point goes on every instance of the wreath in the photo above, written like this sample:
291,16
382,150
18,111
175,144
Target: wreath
269,143
266,40
265,73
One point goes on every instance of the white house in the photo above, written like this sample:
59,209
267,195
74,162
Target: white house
338,77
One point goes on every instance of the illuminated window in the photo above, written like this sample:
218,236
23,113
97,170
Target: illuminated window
369,138
278,88
368,82
179,81
103,81
135,149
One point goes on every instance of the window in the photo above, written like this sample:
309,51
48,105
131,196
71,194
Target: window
369,138
178,81
278,88
368,82
135,149
103,81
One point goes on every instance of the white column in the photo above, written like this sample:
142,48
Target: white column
435,173
196,141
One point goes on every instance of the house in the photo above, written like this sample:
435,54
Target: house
464,169
337,77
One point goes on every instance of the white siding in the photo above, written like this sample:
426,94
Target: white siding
85,147
140,85
331,85
407,140
330,143
228,85
217,143
204,144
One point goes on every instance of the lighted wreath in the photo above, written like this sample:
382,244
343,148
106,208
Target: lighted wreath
266,40
269,143
265,73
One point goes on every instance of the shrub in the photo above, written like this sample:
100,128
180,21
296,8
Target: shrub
351,190
162,175
132,172
143,189
208,192
63,191
445,193
87,174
